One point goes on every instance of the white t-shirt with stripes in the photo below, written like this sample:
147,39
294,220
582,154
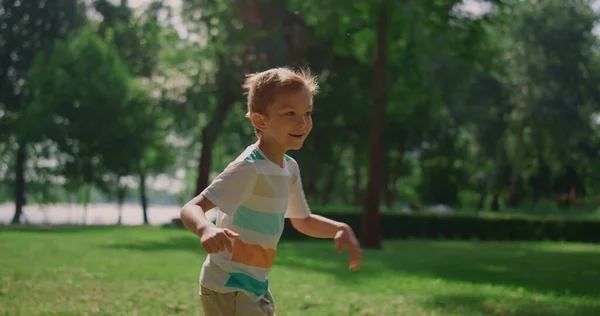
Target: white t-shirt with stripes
254,196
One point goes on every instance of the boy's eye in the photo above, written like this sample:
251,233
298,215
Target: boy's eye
290,113
309,113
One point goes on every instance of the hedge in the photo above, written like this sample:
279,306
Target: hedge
469,227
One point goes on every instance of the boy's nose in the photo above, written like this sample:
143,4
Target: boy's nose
301,121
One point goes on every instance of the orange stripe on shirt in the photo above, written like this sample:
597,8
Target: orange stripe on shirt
252,255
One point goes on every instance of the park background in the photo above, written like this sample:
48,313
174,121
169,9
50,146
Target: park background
460,139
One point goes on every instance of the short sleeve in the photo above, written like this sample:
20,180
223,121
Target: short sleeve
232,186
297,204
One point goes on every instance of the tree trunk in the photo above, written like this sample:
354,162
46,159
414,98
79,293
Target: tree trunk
143,197
357,178
514,176
20,184
385,175
211,131
370,234
492,175
330,185
205,158
87,190
390,189
121,191
331,180
311,179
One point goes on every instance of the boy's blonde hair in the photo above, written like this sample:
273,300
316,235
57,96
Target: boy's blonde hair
263,87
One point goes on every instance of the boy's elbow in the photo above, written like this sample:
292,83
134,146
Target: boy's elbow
183,214
299,223
186,214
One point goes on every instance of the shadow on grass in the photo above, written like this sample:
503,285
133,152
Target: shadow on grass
475,304
568,269
174,243
306,255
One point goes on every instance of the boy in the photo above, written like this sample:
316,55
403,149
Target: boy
254,194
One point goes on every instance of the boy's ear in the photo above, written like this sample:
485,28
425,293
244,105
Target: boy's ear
258,121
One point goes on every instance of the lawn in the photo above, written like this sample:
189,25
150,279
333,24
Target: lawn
154,271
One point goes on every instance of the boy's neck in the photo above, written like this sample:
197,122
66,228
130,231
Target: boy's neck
272,151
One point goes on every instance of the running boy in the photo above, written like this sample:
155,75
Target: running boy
254,194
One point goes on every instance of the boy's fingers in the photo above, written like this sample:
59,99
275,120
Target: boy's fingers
231,234
219,245
339,247
227,243
355,258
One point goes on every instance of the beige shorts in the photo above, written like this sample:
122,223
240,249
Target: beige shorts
235,304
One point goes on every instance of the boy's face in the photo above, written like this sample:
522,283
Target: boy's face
289,119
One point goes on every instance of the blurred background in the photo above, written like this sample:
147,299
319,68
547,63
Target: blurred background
120,111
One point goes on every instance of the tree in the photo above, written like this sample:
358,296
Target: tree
27,27
370,234
544,47
79,96
138,41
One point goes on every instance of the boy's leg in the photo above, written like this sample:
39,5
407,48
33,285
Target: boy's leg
245,306
235,304
217,304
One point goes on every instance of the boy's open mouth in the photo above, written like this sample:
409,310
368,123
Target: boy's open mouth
297,135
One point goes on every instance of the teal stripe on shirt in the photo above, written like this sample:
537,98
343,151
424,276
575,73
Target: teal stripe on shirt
247,283
267,223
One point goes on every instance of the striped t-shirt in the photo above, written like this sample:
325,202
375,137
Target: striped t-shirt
253,195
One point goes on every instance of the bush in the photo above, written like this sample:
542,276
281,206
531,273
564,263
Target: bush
492,228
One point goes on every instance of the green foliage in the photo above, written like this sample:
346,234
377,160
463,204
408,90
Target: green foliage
76,97
477,106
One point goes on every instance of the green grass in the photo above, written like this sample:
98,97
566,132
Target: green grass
154,271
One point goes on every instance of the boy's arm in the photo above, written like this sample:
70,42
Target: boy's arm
322,227
193,214
226,191
318,226
212,238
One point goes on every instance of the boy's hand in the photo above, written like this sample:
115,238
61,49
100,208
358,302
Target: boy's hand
345,238
215,239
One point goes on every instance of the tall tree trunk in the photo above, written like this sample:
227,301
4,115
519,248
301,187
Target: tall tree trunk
514,176
390,189
311,185
143,197
385,174
20,184
121,192
370,234
211,131
331,180
85,198
357,177
310,167
491,180
208,140
394,166
329,186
